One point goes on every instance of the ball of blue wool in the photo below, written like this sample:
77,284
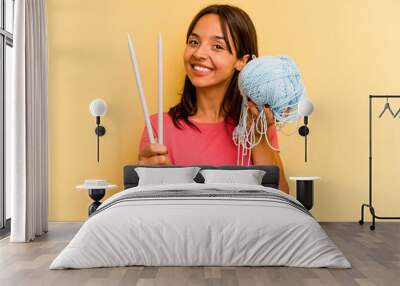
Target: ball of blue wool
272,80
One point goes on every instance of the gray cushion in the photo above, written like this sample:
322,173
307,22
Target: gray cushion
248,177
270,179
163,176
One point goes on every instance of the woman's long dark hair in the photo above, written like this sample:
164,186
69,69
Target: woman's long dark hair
244,38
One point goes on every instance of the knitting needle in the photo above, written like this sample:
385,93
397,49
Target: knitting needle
160,88
135,67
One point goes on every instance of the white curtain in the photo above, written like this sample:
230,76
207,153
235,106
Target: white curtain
26,124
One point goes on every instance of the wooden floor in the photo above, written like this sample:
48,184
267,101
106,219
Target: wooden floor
375,256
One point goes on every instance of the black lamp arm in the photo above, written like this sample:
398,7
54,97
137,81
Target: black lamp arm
99,131
303,131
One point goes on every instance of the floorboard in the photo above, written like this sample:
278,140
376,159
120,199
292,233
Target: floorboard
374,255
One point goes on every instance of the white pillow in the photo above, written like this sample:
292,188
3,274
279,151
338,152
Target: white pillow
163,176
248,177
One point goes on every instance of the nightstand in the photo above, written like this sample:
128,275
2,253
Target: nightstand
305,190
97,190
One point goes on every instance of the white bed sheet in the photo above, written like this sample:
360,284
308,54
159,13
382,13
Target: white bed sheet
200,231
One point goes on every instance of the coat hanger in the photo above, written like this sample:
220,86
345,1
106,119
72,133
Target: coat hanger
387,107
397,113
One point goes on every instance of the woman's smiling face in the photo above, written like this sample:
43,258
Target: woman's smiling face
207,60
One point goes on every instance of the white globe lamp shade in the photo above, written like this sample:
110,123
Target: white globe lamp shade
305,107
98,107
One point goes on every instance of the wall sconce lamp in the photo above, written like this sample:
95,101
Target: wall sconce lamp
98,108
305,108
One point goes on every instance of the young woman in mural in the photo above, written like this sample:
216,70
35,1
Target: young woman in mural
198,130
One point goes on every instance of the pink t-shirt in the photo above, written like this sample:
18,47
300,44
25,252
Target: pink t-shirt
212,146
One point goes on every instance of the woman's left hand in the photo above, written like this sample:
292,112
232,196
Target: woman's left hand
268,112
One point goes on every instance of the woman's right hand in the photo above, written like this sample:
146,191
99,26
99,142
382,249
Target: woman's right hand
154,154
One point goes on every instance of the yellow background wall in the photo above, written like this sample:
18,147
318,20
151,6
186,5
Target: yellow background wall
345,49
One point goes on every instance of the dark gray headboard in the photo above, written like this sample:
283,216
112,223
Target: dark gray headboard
270,179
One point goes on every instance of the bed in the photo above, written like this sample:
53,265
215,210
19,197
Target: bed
201,224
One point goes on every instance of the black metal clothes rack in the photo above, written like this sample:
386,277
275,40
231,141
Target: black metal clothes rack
370,205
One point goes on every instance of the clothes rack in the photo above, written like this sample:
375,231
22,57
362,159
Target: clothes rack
370,205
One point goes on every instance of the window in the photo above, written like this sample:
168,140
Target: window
6,62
